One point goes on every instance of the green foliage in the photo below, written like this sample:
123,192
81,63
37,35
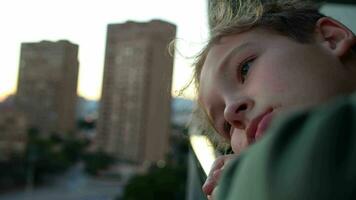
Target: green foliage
54,154
49,156
168,182
97,161
159,183
12,172
86,125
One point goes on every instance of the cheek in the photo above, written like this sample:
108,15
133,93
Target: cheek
268,81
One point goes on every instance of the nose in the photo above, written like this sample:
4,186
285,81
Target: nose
235,112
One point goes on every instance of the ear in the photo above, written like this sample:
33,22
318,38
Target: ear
335,36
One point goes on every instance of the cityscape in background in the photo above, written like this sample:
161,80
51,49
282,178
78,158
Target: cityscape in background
135,128
133,143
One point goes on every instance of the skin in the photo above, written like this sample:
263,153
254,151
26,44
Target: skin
251,77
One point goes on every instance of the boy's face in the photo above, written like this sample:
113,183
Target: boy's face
249,78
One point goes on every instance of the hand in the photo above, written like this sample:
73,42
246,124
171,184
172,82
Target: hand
215,173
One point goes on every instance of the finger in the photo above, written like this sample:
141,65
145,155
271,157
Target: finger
210,182
209,186
218,163
223,160
217,174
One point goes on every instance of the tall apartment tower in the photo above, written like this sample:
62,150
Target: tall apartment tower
47,85
134,116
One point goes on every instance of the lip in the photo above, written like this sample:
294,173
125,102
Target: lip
258,125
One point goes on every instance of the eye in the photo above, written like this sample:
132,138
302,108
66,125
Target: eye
244,69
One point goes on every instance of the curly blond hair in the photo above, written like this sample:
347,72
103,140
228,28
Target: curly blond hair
293,18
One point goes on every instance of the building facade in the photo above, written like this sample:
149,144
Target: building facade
47,85
134,116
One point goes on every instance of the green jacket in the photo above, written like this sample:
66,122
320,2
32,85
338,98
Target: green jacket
310,155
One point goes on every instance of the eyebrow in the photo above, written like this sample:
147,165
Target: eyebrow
234,51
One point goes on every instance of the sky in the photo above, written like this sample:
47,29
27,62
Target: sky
84,22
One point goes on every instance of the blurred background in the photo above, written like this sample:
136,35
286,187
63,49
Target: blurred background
93,105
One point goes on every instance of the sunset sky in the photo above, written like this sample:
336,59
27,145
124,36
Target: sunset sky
84,22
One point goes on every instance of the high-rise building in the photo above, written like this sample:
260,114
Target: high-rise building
47,85
134,117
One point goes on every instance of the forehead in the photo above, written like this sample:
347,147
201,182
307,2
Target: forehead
221,48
